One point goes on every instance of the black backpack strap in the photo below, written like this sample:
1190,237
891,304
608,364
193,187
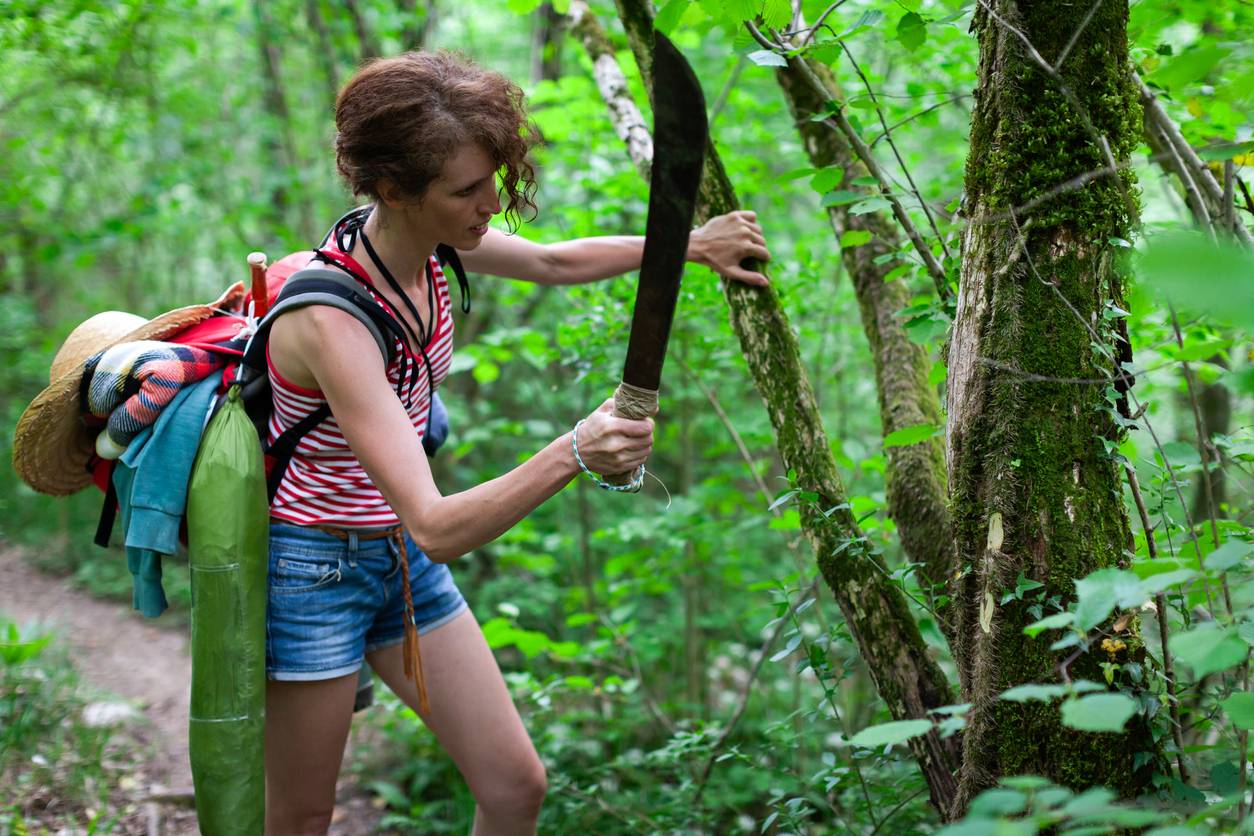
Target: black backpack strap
448,256
280,452
313,286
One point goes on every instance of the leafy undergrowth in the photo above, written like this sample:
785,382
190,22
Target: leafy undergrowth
68,762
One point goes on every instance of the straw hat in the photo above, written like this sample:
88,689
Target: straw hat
52,446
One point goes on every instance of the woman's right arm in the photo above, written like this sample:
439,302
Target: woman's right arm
344,360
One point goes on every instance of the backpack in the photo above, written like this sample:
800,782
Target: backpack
310,286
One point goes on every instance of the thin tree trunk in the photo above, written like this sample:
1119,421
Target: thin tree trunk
327,53
546,44
367,44
915,476
1033,489
908,679
279,138
416,30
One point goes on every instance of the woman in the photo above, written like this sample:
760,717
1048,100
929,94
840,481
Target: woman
424,137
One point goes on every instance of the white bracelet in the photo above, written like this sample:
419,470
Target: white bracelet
636,483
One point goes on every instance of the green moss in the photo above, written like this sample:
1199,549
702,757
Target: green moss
1035,137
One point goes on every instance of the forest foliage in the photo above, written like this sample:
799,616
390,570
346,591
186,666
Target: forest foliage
676,655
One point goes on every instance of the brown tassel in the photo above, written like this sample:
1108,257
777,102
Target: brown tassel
409,650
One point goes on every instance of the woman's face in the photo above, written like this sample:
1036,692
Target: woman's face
460,202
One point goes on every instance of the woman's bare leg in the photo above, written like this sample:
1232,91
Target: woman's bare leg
306,727
476,722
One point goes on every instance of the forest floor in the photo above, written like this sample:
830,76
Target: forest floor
144,663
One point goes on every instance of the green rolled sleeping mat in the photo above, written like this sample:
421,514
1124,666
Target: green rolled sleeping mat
228,544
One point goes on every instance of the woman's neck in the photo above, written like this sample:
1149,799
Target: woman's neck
403,252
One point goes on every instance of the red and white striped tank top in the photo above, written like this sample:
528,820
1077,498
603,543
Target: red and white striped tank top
324,483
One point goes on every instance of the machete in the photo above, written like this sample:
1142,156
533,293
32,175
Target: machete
680,132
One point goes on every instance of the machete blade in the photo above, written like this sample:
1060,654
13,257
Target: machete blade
680,132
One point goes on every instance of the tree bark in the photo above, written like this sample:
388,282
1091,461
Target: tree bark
1033,488
279,138
907,677
327,54
367,43
546,44
415,31
915,476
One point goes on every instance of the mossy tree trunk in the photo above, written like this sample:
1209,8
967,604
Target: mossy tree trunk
875,609
915,476
1033,487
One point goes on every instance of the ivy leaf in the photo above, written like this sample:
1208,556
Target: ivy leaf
1098,712
1208,649
890,734
906,436
1240,709
911,31
855,238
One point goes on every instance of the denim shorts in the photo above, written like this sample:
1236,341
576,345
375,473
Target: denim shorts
331,601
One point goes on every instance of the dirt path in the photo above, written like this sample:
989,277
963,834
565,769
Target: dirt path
145,662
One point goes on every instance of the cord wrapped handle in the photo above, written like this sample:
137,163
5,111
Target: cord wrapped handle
636,404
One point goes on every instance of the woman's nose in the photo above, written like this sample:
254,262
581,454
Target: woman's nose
492,200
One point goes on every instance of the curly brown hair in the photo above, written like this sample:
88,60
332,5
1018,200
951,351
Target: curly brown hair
401,118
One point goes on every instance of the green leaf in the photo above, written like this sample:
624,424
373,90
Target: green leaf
1208,649
1098,712
1204,350
855,238
1050,623
1192,65
1029,692
767,58
911,31
740,10
870,18
1155,584
889,734
1228,555
668,16
826,179
1202,275
906,436
998,801
871,204
841,197
523,7
1240,709
776,14
1102,591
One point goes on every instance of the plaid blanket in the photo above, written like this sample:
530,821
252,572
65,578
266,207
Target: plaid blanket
132,382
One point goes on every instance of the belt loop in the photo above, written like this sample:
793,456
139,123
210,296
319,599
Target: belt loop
352,541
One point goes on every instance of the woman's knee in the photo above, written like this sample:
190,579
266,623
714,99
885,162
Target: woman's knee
517,793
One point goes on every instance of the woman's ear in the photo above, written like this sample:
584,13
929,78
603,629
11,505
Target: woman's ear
391,194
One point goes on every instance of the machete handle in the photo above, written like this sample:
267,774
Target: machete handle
635,404
257,271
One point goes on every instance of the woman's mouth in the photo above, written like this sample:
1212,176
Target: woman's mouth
481,229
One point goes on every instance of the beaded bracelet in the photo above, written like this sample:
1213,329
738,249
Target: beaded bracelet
637,481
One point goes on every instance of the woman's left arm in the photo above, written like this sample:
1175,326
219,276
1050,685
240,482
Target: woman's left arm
720,244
